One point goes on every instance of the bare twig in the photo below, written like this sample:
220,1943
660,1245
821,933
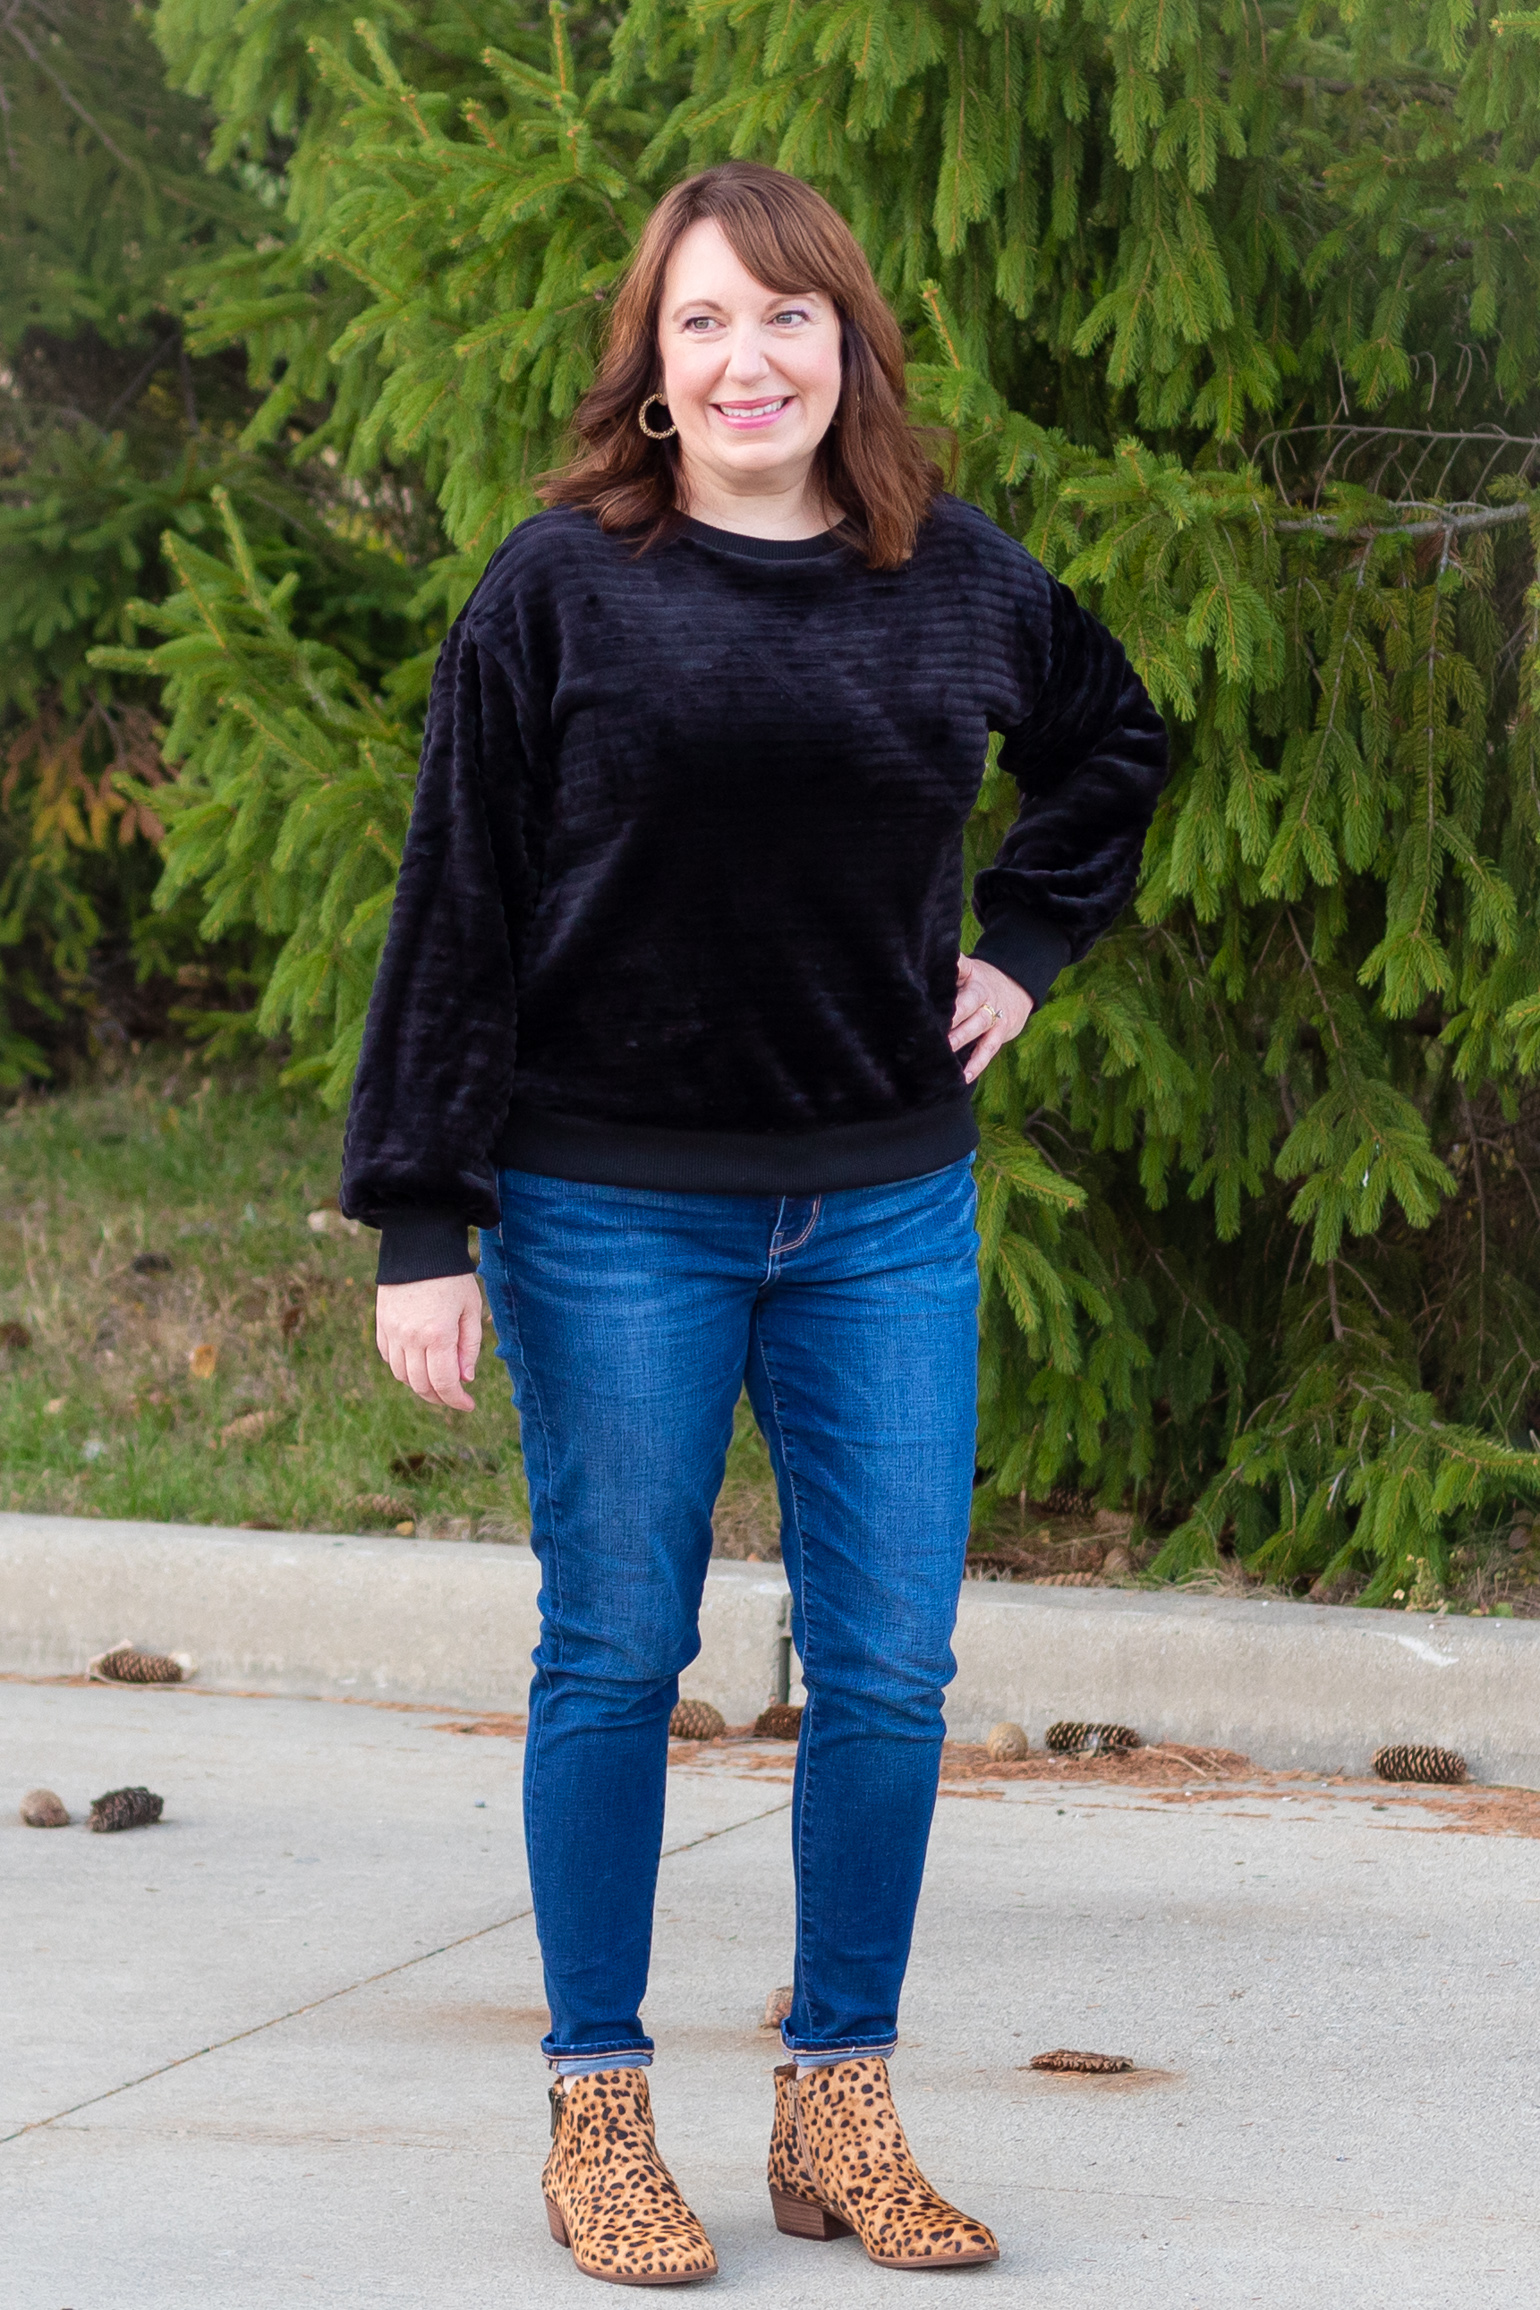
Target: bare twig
1474,1143
1365,1287
1309,962
1444,524
70,98
140,378
189,391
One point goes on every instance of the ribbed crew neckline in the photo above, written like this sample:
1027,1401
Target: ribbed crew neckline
823,547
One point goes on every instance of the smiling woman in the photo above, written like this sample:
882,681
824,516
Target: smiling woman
672,1008
753,379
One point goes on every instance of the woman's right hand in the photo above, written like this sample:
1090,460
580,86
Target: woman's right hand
430,1335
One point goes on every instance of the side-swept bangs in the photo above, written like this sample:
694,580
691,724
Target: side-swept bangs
872,463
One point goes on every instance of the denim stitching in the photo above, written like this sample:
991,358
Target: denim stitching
641,2049
772,1249
821,2056
796,1511
516,1348
517,1343
779,1252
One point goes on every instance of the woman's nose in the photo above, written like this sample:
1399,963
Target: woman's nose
746,358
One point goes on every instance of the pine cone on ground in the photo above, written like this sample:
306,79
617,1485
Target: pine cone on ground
1398,1762
1087,2064
696,1720
384,1507
777,2006
779,1722
126,1664
1064,1500
41,1809
1007,1743
1070,1738
125,1809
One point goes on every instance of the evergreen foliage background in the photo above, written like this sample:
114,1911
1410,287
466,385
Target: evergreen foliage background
114,437
1231,313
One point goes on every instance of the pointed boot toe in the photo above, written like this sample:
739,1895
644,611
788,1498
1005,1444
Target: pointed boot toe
839,2162
608,2194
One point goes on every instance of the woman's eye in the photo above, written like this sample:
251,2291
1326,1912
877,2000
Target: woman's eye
793,314
699,323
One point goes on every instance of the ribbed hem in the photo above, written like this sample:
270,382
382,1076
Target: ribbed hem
1026,948
822,547
738,1162
415,1246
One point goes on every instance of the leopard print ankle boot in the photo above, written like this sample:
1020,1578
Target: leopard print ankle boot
608,2194
839,2162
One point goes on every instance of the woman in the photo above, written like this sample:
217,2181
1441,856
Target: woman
672,1010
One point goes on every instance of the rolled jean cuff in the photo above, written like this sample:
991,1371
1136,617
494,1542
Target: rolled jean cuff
820,2056
587,2064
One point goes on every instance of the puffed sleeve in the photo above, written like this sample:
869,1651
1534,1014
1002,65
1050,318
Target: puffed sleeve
436,1067
1090,758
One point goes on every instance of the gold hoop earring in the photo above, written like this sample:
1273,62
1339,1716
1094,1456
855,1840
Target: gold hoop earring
641,419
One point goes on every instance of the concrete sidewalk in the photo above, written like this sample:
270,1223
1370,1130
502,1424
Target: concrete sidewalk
281,2050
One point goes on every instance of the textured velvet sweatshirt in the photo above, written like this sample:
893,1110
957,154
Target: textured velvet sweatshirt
683,887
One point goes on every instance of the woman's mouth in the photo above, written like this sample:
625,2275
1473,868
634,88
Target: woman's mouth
746,416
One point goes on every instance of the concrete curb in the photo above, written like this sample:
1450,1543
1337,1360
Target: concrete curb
455,1622
1289,1684
429,1620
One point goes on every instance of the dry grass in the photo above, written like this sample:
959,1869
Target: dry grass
747,1521
185,1345
1078,1546
1086,1547
230,1377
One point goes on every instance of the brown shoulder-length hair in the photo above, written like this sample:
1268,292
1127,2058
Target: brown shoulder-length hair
872,463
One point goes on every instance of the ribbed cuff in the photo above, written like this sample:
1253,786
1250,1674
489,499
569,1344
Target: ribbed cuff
416,1246
1026,948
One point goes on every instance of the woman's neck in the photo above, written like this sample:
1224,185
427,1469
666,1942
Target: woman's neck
793,509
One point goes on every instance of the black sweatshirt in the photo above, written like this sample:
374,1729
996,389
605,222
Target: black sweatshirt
682,892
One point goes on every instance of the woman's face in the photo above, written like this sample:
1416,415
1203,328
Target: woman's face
751,376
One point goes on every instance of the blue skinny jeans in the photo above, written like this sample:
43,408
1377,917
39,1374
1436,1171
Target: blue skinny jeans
630,1320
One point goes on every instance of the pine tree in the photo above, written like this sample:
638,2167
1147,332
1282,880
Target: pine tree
113,435
1231,315
103,188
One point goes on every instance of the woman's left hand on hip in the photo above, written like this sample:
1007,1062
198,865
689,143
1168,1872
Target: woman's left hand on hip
990,1012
